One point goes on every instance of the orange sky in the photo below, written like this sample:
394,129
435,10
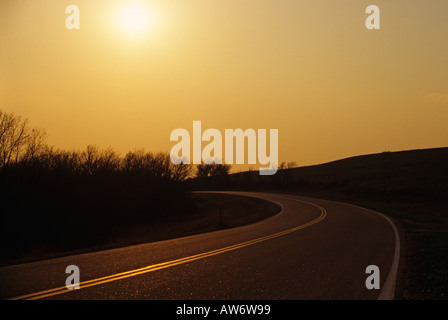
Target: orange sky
310,69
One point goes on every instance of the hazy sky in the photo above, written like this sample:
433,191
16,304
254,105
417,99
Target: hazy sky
310,69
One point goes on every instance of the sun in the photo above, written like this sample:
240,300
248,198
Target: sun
135,18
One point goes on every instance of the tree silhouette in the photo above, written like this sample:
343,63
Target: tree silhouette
14,135
212,169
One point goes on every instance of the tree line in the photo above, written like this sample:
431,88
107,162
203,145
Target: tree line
24,147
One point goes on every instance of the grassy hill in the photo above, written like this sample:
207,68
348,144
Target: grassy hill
390,176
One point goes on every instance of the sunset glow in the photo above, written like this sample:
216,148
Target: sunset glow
137,70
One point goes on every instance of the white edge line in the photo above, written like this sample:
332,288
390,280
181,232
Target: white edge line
388,290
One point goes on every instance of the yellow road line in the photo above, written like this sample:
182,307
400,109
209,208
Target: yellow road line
164,265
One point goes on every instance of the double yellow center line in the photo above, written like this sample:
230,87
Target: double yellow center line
164,265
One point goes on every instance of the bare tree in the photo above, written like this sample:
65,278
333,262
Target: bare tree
109,160
180,172
64,161
14,136
291,165
89,160
36,145
157,165
282,166
135,162
93,160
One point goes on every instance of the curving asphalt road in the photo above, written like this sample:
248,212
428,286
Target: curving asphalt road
313,249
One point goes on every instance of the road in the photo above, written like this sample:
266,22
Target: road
313,249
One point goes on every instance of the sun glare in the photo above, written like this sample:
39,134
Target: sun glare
135,18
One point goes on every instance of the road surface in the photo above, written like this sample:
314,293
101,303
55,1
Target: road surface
313,249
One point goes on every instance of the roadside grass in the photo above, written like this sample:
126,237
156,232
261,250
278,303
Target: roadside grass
211,212
427,274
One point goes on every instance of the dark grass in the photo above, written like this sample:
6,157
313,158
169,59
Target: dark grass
230,211
203,213
427,274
